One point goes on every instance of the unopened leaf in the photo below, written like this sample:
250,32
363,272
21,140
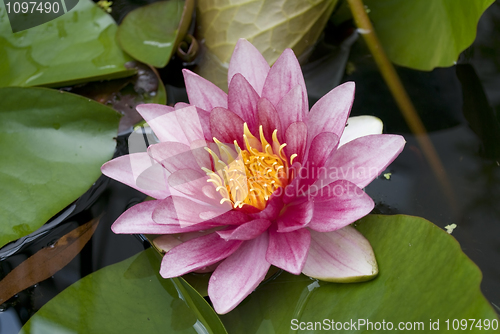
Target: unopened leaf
270,25
47,261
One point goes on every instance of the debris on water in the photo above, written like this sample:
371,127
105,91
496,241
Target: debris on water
387,176
450,228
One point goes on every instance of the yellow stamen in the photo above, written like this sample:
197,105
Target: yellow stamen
254,174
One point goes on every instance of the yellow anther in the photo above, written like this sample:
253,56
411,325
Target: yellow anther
250,176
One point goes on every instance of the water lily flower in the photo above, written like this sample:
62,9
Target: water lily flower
253,178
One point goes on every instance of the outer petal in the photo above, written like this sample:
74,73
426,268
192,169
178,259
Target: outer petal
340,256
226,126
283,76
330,113
360,126
182,212
196,254
321,148
288,251
248,61
202,93
295,217
239,275
337,205
138,219
139,171
242,100
163,122
246,231
363,159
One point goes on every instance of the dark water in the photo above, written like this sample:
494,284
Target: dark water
460,107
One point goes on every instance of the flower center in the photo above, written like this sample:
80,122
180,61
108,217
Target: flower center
249,176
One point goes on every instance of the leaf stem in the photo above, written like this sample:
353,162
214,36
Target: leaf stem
401,97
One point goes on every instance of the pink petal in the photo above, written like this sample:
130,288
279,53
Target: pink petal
139,171
242,100
295,216
248,61
163,121
246,231
337,205
182,213
291,108
288,251
340,256
360,126
226,126
296,139
238,275
138,219
269,119
196,254
202,93
284,76
363,159
330,113
203,116
174,156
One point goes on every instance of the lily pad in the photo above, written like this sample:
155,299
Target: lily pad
76,47
424,34
53,145
424,277
151,33
270,25
128,297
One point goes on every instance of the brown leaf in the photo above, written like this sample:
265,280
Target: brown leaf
47,261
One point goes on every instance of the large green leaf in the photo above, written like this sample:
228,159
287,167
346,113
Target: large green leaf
76,47
424,34
423,275
270,25
151,33
52,145
128,297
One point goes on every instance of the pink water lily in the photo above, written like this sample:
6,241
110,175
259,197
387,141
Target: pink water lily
252,178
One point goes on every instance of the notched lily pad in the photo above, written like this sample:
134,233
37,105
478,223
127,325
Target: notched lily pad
127,297
77,47
423,275
53,144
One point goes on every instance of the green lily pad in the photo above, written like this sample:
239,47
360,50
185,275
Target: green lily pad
53,145
424,34
151,33
76,47
424,277
270,25
128,297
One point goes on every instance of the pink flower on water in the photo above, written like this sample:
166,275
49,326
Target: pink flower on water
252,178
